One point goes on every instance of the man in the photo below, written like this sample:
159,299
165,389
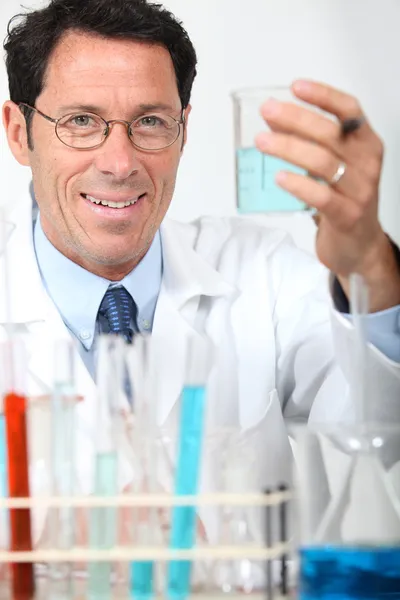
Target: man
99,110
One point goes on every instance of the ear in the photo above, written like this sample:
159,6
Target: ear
186,114
15,127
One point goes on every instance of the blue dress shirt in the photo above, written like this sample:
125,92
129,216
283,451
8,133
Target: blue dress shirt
78,293
383,331
383,328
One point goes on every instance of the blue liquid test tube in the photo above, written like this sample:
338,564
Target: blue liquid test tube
191,434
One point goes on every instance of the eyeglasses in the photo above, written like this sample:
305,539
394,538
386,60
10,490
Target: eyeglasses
86,130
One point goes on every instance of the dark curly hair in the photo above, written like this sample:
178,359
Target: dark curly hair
32,37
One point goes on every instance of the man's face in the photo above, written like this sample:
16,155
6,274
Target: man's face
117,78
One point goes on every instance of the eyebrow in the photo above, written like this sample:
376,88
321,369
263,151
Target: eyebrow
139,109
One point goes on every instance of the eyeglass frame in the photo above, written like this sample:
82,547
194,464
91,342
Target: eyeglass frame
108,128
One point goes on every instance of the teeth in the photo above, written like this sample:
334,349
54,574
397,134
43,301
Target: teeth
111,204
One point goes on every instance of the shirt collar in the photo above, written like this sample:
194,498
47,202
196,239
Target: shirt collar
78,293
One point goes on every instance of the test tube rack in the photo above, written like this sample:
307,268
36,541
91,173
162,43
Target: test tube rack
250,551
259,552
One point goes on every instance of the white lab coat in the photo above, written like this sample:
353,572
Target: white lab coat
281,349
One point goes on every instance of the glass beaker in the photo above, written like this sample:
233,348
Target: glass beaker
348,502
256,190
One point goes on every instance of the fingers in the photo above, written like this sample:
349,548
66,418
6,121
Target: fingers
315,126
338,103
316,160
341,212
342,171
302,122
308,124
342,105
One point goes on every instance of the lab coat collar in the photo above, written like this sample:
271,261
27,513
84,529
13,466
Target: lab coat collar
186,273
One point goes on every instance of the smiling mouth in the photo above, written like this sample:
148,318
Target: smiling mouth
112,204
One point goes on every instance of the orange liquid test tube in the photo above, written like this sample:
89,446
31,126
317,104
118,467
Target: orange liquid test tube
22,575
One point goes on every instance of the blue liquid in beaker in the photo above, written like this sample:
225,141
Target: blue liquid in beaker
349,573
256,187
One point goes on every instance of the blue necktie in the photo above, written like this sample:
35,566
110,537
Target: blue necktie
119,310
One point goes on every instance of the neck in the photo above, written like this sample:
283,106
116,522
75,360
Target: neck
111,271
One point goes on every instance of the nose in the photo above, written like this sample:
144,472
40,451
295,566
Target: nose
117,156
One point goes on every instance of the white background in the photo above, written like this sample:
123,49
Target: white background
240,43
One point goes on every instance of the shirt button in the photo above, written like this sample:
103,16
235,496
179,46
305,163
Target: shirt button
85,334
146,324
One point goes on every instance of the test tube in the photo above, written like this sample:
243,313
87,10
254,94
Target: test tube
187,475
103,522
63,404
283,510
15,406
143,442
359,306
268,540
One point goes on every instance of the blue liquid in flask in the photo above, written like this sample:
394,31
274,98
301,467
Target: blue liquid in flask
257,190
349,573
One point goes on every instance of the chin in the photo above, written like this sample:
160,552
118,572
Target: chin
117,259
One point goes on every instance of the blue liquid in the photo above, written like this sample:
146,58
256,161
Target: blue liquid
183,534
142,576
103,525
346,573
257,190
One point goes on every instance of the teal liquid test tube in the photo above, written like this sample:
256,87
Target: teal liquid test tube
188,467
103,521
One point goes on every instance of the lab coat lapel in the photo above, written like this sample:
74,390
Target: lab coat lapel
187,279
170,332
251,325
